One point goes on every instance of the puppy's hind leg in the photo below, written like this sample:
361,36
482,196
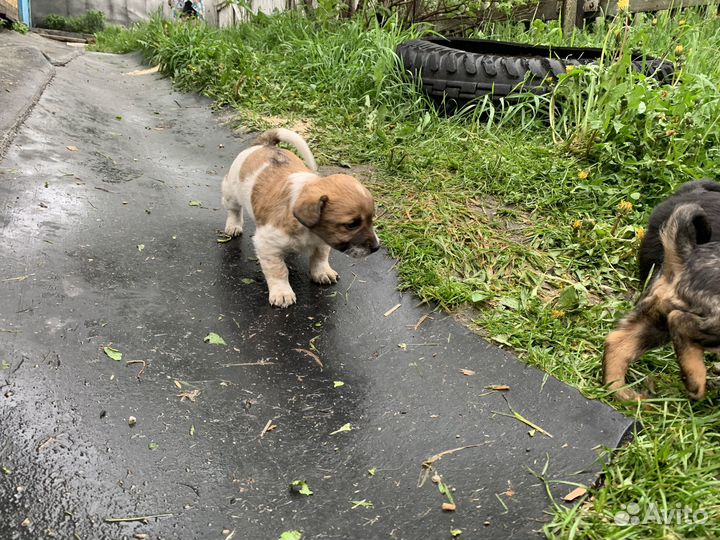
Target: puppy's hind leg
685,328
635,335
320,270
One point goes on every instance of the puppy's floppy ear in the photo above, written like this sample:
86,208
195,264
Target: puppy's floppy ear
308,209
703,229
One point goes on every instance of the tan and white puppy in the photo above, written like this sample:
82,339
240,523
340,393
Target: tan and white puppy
296,211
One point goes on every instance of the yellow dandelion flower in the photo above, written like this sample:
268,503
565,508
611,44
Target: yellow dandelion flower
557,313
569,69
625,206
679,50
623,5
582,175
640,233
681,22
654,21
577,224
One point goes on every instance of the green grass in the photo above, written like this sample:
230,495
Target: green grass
531,219
88,23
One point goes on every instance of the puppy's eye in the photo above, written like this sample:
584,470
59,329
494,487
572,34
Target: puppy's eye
354,224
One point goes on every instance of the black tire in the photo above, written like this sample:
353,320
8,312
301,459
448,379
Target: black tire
455,72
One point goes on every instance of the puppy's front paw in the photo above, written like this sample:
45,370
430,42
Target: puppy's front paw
696,391
282,297
628,394
324,276
233,230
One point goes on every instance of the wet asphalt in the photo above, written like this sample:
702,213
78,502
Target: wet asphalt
109,219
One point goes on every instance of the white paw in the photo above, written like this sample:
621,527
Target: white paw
282,297
324,276
233,230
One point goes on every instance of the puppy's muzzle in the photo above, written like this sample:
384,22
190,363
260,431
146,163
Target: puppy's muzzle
361,250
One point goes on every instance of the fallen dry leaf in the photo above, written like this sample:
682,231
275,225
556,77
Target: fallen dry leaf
510,491
467,372
147,71
191,395
72,148
574,494
498,387
448,507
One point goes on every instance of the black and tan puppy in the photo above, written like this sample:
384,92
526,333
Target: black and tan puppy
682,301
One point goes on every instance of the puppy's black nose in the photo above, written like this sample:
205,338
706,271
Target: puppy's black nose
374,247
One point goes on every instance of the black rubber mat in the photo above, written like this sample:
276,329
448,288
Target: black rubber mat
101,247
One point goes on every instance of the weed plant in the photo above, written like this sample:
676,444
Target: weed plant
88,23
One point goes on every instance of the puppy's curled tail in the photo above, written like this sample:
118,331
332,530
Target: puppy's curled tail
686,227
277,135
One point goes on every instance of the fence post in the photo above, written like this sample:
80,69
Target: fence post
572,15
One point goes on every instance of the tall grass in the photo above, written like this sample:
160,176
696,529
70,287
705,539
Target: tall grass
529,211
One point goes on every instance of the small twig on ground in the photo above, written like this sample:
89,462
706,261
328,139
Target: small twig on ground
420,321
517,416
311,355
427,465
392,310
136,518
269,426
258,363
349,287
144,365
48,442
19,278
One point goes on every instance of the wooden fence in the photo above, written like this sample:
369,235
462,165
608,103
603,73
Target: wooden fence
9,9
223,13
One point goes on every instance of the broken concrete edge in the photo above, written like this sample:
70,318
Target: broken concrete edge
8,132
63,61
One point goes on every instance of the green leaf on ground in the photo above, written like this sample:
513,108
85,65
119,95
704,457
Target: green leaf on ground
364,504
455,532
113,353
247,280
344,428
4,365
195,203
291,535
304,489
140,247
372,471
214,339
153,445
338,384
